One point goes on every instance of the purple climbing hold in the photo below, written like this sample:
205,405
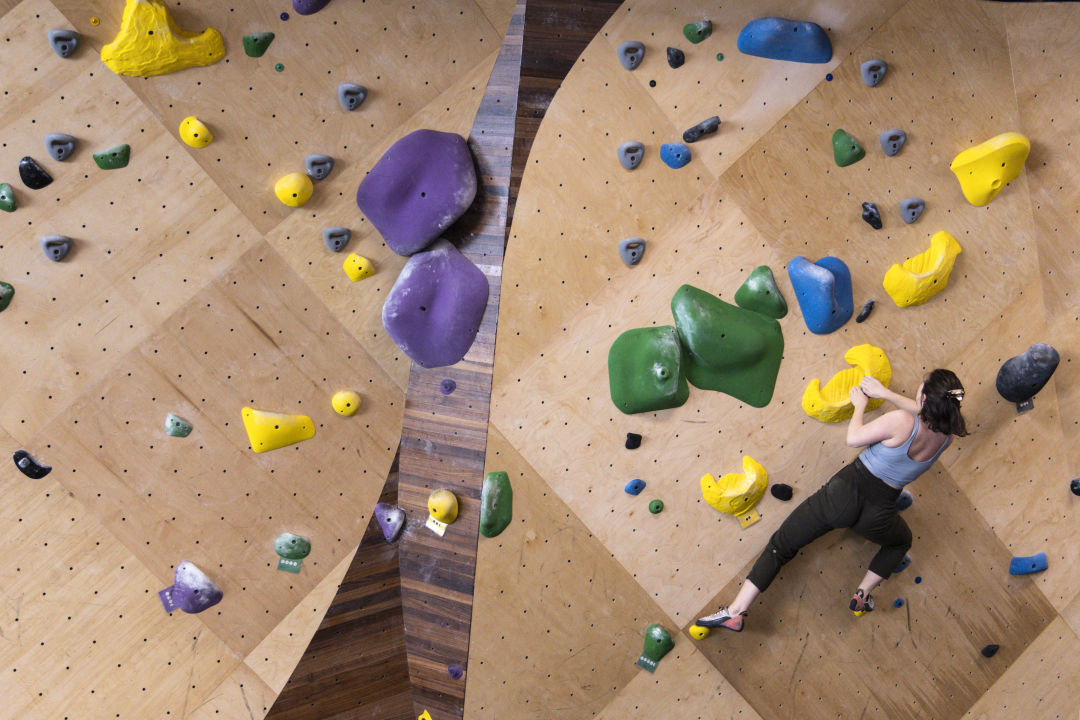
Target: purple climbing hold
447,386
391,520
192,591
433,312
309,7
422,184
284,16
456,671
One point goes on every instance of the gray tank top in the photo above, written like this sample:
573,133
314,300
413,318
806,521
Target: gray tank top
893,466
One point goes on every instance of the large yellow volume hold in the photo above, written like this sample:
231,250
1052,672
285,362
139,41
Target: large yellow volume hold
150,43
832,402
294,189
736,493
925,275
986,168
271,430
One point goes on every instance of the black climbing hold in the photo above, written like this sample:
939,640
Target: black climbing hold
630,54
351,95
32,174
29,467
676,58
631,250
781,491
633,441
318,166
1074,485
867,307
7,291
60,146
892,140
703,128
652,83
871,215
336,238
873,72
1021,377
56,247
905,500
630,154
64,42
911,209
990,650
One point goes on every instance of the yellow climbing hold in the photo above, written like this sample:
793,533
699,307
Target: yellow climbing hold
95,20
358,267
832,403
736,493
294,189
150,43
271,430
346,402
424,716
925,275
194,132
986,168
698,632
443,506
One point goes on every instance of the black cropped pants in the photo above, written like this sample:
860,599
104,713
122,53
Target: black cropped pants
852,498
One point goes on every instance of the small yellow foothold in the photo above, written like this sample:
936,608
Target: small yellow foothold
150,43
346,402
985,169
358,267
698,632
736,493
294,189
95,20
925,275
443,506
832,403
424,716
271,430
194,132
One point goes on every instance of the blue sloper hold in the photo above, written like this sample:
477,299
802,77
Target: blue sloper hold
634,487
781,39
675,155
903,564
1027,565
823,289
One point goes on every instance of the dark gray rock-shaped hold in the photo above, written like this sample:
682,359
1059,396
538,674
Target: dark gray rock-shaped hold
318,166
1021,377
867,308
872,215
336,238
60,146
631,153
30,467
631,53
703,128
433,312
873,72
64,42
351,96
892,141
631,250
56,247
1074,486
309,7
32,174
676,58
391,520
192,590
911,209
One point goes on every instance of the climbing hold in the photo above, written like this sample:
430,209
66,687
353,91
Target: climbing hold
828,77
455,671
271,430
56,247
736,493
871,215
823,289
7,291
1074,485
434,310
703,128
447,386
761,294
194,132
279,67
30,467
7,198
645,371
903,565
986,168
422,184
443,506
351,96
255,44
391,520
192,591
1026,565
631,250
676,58
318,166
64,42
294,189
719,57
989,651
309,7
150,43
675,155
695,32
95,21
873,72
633,441
781,491
918,579
656,507
60,146
336,238
698,632
905,500
911,209
652,83
892,141
291,550
925,275
358,267
726,348
496,504
32,174
345,402
113,158
846,149
284,16
634,487
630,154
630,54
898,603
1022,377
832,403
867,308
781,39
176,426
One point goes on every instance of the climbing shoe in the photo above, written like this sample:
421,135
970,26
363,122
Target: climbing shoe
860,604
722,618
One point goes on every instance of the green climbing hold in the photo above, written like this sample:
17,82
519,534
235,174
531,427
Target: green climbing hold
727,349
846,149
697,31
658,643
176,426
719,57
279,67
292,547
760,294
645,370
656,507
6,293
114,158
255,44
7,198
496,504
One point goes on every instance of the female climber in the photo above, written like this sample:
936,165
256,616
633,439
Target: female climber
900,446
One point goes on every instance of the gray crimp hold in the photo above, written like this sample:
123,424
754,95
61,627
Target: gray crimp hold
911,209
30,467
336,238
631,153
318,166
631,53
892,141
64,42
176,426
56,247
873,72
351,96
676,58
867,308
631,250
60,145
703,128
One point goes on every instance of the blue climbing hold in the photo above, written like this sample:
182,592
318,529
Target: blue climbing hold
918,579
781,39
898,603
1027,565
905,500
903,564
823,289
634,487
675,155
828,77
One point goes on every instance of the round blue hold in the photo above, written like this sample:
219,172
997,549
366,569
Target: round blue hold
918,579
899,602
634,487
828,77
284,16
675,155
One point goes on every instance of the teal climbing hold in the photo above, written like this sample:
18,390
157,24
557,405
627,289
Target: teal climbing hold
177,426
113,158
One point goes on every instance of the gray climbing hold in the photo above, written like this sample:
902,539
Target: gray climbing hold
30,467
351,95
873,72
631,153
56,247
892,141
1021,377
867,308
911,209
631,53
336,238
703,128
176,426
64,42
32,174
318,166
871,215
675,57
60,145
632,250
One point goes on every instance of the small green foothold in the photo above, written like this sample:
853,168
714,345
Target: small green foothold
176,426
6,293
760,294
658,643
255,44
698,31
279,67
7,198
846,149
496,504
719,56
292,547
114,158
656,506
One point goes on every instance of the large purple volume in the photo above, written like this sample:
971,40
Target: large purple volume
419,187
434,309
308,7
